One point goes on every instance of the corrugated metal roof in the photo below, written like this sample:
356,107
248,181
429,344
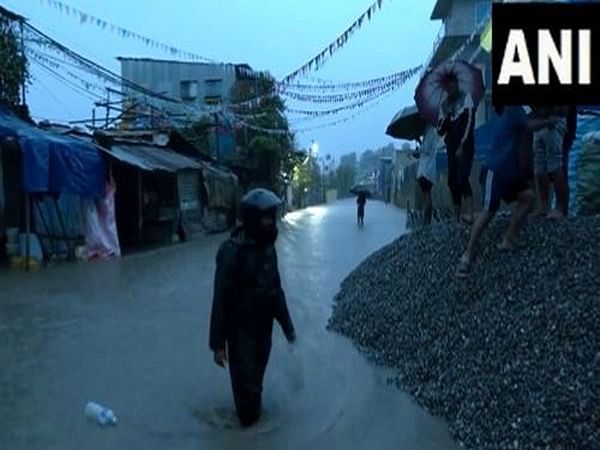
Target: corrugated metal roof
151,158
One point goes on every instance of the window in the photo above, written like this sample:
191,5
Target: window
483,9
189,89
212,99
213,87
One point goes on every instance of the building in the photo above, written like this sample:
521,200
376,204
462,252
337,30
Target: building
384,180
184,92
196,84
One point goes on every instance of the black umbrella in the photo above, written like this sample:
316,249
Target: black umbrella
407,124
361,189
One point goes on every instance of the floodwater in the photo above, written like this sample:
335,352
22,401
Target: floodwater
133,334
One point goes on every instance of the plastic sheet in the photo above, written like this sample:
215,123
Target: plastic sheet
101,237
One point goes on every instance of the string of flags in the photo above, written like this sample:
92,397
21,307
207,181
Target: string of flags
360,103
339,109
318,61
344,119
53,63
324,85
319,126
86,18
398,81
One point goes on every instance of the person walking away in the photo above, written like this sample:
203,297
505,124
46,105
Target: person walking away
361,200
426,171
456,124
548,162
247,298
505,180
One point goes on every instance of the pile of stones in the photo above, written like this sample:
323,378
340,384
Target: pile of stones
510,356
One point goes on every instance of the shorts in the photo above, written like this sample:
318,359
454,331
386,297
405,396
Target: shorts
500,187
425,184
548,151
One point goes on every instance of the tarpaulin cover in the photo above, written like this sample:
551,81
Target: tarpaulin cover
55,163
101,236
588,188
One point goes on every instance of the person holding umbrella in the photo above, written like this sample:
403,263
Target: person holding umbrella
361,200
456,124
447,97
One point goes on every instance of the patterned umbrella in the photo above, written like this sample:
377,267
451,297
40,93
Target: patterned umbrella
430,91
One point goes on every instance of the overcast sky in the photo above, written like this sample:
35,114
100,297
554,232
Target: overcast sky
274,35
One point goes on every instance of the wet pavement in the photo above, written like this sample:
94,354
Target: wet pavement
132,334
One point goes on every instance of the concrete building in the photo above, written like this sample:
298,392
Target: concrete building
187,92
196,84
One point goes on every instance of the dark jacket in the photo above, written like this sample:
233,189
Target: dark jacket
247,293
571,129
457,124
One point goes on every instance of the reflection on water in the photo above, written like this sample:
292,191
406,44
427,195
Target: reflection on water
132,334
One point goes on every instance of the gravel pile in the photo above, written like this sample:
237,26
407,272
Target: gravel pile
510,357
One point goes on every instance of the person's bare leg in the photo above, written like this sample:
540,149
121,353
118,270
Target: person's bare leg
525,200
543,191
480,224
562,192
469,215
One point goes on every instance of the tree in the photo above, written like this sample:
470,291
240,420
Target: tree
345,174
14,72
305,177
198,134
267,138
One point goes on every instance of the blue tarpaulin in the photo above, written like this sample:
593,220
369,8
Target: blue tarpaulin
55,163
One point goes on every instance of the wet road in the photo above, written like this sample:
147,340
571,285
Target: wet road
132,334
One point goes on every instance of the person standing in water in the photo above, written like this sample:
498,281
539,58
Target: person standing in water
247,298
360,202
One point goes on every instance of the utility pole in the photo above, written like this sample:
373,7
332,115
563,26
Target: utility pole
107,108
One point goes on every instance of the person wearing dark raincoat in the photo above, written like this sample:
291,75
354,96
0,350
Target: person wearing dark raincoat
248,297
361,200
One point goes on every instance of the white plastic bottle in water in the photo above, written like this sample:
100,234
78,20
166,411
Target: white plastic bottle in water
103,416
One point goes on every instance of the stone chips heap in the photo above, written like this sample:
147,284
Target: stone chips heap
510,357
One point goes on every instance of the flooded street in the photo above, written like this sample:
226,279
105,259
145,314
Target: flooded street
133,335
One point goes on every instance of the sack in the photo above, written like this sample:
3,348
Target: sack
588,176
